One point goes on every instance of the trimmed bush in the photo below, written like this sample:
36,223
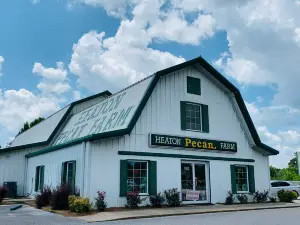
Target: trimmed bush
79,204
100,201
272,199
243,198
39,202
173,197
3,193
286,196
261,196
157,200
229,199
133,199
59,198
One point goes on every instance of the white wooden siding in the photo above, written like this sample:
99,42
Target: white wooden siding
53,165
12,167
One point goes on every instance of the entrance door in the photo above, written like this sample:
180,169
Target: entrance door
194,182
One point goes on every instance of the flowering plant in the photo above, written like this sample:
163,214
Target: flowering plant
100,201
133,199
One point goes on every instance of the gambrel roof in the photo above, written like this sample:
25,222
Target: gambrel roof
118,114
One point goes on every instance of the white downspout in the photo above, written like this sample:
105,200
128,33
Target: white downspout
87,174
83,169
25,177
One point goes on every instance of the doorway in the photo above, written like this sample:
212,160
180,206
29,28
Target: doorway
194,182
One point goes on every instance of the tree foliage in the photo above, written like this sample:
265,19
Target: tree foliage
27,125
290,173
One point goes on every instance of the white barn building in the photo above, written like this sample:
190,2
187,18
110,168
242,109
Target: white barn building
184,127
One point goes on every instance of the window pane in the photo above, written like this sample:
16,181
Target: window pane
241,178
137,177
193,117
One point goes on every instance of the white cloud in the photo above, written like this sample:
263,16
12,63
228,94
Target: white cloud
35,1
19,106
117,61
54,81
76,95
59,74
113,7
174,27
1,63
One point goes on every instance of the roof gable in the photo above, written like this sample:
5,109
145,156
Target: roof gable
139,103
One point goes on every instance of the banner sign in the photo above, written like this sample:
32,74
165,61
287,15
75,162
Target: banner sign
192,195
195,143
112,114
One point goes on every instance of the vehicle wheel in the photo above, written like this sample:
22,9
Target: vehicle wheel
296,194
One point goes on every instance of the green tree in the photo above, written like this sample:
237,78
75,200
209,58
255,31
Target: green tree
293,163
27,125
274,173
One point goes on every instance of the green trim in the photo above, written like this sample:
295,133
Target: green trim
153,154
251,178
183,115
58,125
123,178
233,179
152,177
205,118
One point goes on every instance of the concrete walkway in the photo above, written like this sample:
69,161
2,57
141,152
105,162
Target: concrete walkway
185,210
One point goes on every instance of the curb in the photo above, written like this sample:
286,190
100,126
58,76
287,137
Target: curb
194,213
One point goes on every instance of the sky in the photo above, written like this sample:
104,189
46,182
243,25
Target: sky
56,52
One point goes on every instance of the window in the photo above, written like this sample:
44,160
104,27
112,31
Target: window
194,117
274,184
137,176
193,86
69,175
242,179
283,184
39,178
242,184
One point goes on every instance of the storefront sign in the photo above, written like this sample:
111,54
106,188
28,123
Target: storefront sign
187,142
192,195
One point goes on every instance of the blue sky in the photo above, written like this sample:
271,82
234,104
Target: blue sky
54,52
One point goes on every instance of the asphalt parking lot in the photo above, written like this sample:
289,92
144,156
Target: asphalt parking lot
31,216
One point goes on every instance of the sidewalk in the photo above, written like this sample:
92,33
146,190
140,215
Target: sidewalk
185,210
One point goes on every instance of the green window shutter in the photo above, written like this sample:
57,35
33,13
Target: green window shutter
205,118
123,178
193,85
251,179
233,179
152,182
63,173
183,115
73,187
42,177
36,178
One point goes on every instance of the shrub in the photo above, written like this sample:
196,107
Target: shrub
286,196
229,199
71,200
79,204
39,202
133,199
272,199
59,198
100,201
3,193
157,200
46,194
243,199
260,196
173,197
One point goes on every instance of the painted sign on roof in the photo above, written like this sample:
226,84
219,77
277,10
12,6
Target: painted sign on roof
114,113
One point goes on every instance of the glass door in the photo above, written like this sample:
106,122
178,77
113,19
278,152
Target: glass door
194,182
